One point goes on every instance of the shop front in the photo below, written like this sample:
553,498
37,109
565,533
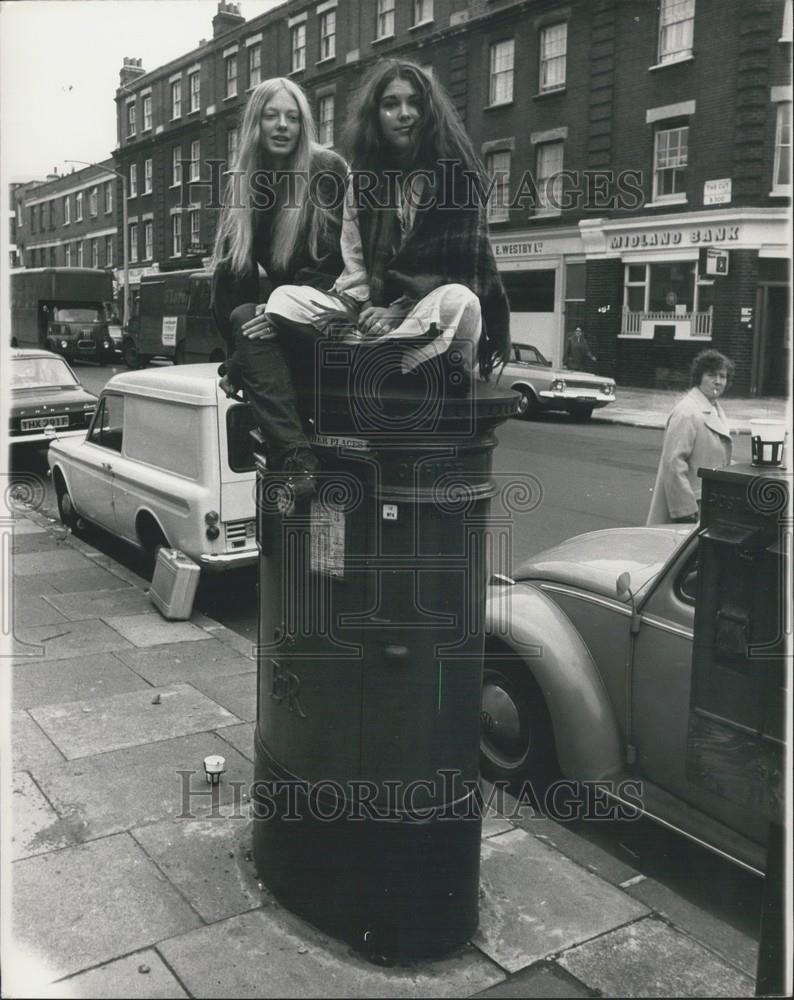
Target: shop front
662,288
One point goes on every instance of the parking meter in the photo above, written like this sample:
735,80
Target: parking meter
372,593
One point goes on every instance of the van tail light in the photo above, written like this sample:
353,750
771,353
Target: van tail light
212,532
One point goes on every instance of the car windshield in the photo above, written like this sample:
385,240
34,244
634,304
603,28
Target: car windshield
39,373
74,315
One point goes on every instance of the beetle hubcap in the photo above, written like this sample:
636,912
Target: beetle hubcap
502,729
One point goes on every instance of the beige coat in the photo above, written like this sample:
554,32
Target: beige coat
697,436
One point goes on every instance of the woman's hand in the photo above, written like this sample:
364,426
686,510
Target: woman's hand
377,320
259,327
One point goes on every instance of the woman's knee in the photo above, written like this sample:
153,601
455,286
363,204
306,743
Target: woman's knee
457,300
241,314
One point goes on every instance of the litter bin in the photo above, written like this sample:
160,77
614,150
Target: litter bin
366,820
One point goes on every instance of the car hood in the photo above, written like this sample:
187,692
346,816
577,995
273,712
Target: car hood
595,560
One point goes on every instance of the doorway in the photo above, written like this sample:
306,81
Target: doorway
772,351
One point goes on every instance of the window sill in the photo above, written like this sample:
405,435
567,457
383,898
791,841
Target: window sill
176,119
230,97
295,72
498,222
546,213
671,62
499,104
383,38
193,111
326,59
421,24
780,192
145,130
550,92
665,202
131,135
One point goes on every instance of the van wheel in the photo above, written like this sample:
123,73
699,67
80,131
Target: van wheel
151,538
66,511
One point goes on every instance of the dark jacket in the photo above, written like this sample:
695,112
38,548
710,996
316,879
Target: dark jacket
578,355
230,290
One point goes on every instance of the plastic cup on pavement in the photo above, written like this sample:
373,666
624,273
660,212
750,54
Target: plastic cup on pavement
214,766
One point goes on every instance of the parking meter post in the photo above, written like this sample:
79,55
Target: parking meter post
366,808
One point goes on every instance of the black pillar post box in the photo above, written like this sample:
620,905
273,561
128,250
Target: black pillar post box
370,659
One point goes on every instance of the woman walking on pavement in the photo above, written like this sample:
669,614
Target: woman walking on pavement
697,436
418,265
284,218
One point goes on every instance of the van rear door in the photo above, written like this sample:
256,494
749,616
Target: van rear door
238,478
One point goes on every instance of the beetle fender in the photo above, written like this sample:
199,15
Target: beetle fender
536,630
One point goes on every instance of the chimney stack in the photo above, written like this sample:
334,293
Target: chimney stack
228,17
130,71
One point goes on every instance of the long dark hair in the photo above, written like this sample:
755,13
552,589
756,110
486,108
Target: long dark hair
441,135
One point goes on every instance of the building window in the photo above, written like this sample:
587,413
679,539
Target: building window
232,137
676,29
423,11
93,202
231,75
176,99
194,220
108,251
553,52
67,210
786,29
131,118
781,179
78,207
502,55
133,230
195,160
328,34
176,166
108,197
325,120
254,66
80,253
667,291
147,112
194,89
147,176
148,239
498,167
95,253
669,164
385,21
298,47
549,177
176,235
68,255
133,179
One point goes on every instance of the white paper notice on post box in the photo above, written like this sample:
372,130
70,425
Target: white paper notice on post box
327,532
169,331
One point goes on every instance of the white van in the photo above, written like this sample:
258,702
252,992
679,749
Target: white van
167,460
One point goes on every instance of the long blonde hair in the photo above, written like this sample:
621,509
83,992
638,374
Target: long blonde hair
293,224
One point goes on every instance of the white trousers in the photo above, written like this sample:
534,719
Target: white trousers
454,309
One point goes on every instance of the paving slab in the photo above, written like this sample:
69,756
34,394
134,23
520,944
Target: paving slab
42,541
535,901
96,725
35,563
151,629
129,788
650,959
25,586
33,609
209,861
236,693
91,578
735,947
70,639
589,855
84,905
143,975
542,980
36,827
24,526
234,640
31,748
101,604
174,661
271,953
80,678
241,738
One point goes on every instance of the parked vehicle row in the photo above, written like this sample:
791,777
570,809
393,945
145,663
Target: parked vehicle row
46,397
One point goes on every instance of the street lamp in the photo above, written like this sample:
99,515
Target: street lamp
125,235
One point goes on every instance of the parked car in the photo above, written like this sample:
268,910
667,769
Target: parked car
588,675
46,396
167,461
544,387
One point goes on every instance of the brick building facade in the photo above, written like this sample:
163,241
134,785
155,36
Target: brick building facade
640,151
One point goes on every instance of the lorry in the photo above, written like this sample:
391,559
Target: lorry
61,309
174,321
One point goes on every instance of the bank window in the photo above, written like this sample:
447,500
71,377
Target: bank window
107,427
133,230
232,138
131,118
423,11
254,66
176,99
231,75
195,159
502,59
133,180
553,52
78,207
176,235
325,120
670,159
676,29
498,166
147,176
781,178
176,166
67,210
328,34
385,22
667,292
298,47
148,239
108,197
147,112
548,177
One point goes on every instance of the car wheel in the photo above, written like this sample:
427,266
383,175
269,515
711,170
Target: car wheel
581,412
516,735
527,406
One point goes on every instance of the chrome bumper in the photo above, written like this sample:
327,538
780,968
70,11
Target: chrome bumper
228,560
